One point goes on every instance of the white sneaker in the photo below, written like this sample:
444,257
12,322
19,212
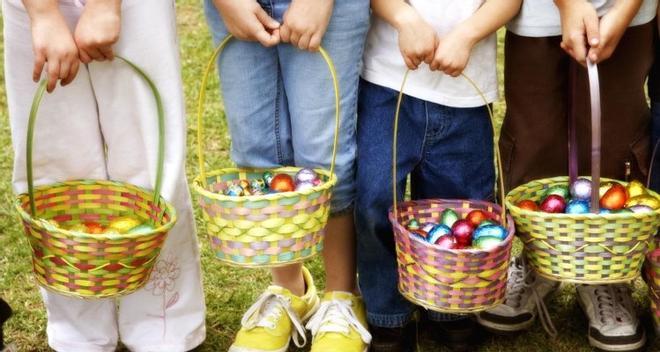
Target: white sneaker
524,300
613,324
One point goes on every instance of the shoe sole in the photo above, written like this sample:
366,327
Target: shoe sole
630,347
505,329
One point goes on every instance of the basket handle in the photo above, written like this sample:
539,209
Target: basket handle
202,99
161,135
497,151
596,128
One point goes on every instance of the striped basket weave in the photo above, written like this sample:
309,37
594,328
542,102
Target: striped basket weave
101,265
652,276
263,230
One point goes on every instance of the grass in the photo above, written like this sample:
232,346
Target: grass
228,291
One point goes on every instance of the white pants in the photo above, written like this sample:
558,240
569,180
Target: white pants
109,105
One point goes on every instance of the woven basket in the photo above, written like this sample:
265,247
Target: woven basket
447,280
84,265
263,230
652,277
583,248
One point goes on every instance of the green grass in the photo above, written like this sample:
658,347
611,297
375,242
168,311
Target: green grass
228,291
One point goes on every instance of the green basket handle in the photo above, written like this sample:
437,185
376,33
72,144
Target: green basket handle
498,160
161,135
202,99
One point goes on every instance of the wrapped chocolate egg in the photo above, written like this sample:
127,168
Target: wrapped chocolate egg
306,175
446,242
615,198
463,230
528,204
476,217
234,191
635,188
496,231
577,206
641,209
302,186
419,235
267,176
282,183
645,199
581,189
560,190
257,184
486,242
142,229
427,227
413,225
438,231
94,228
553,204
245,184
604,187
78,228
448,217
123,224
486,223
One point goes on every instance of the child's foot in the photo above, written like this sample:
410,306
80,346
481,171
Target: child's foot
525,294
613,324
275,318
340,324
457,335
394,339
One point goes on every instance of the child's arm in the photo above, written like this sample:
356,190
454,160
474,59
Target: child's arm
579,20
98,29
246,20
417,39
305,22
453,51
612,27
52,43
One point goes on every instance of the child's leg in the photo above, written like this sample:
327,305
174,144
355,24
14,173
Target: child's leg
68,146
168,314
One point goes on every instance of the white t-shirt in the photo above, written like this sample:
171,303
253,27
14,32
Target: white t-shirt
540,18
384,65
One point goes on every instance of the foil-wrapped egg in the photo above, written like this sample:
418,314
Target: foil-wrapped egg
267,177
463,230
413,225
437,232
577,206
635,188
648,200
581,189
615,198
234,191
486,242
303,186
528,204
553,204
489,231
448,217
560,190
641,209
282,183
305,175
446,242
476,217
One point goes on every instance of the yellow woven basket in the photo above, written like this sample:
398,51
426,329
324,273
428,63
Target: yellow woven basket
263,230
85,265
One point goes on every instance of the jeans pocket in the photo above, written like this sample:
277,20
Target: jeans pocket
507,145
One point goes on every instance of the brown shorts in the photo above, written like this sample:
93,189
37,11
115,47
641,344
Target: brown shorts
543,85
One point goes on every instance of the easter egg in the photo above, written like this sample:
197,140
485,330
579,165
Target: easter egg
615,198
427,227
581,189
476,217
245,184
446,242
419,235
257,185
94,228
413,224
267,176
306,175
317,182
486,242
111,231
496,231
282,183
528,204
123,224
448,217
559,190
78,228
553,204
604,211
302,186
486,223
640,209
604,187
437,232
577,206
623,211
234,191
141,229
648,200
463,230
635,188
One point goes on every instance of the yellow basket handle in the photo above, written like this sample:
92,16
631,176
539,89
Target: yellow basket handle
202,99
498,161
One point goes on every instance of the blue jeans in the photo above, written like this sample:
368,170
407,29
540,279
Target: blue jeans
448,153
280,103
655,138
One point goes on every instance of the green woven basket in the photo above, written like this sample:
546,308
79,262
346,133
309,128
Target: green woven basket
85,265
263,230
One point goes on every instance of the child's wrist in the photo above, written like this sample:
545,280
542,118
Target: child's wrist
404,17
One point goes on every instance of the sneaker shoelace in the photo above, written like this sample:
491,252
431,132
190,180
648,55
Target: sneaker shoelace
613,307
521,279
337,316
267,311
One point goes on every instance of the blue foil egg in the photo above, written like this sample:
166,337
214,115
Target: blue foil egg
234,191
427,227
581,189
577,207
604,211
496,231
437,232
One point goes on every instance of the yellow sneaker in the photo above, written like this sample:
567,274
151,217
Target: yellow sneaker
275,318
340,324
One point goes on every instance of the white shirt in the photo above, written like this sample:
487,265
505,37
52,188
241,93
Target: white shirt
540,18
384,65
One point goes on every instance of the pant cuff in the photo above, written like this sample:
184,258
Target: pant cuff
439,317
389,320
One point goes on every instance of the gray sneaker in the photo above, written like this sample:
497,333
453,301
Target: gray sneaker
524,300
613,324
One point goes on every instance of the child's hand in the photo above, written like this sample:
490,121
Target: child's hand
612,27
305,23
246,20
579,21
453,52
98,29
417,39
53,45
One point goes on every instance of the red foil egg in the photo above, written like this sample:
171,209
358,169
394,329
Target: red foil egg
463,230
553,204
446,242
615,198
476,217
528,204
282,183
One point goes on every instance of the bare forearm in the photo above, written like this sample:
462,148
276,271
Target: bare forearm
492,15
393,12
41,8
626,10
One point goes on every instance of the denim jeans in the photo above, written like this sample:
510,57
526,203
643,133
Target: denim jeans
448,153
655,138
279,101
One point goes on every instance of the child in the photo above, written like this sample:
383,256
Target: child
280,108
445,134
103,126
546,48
